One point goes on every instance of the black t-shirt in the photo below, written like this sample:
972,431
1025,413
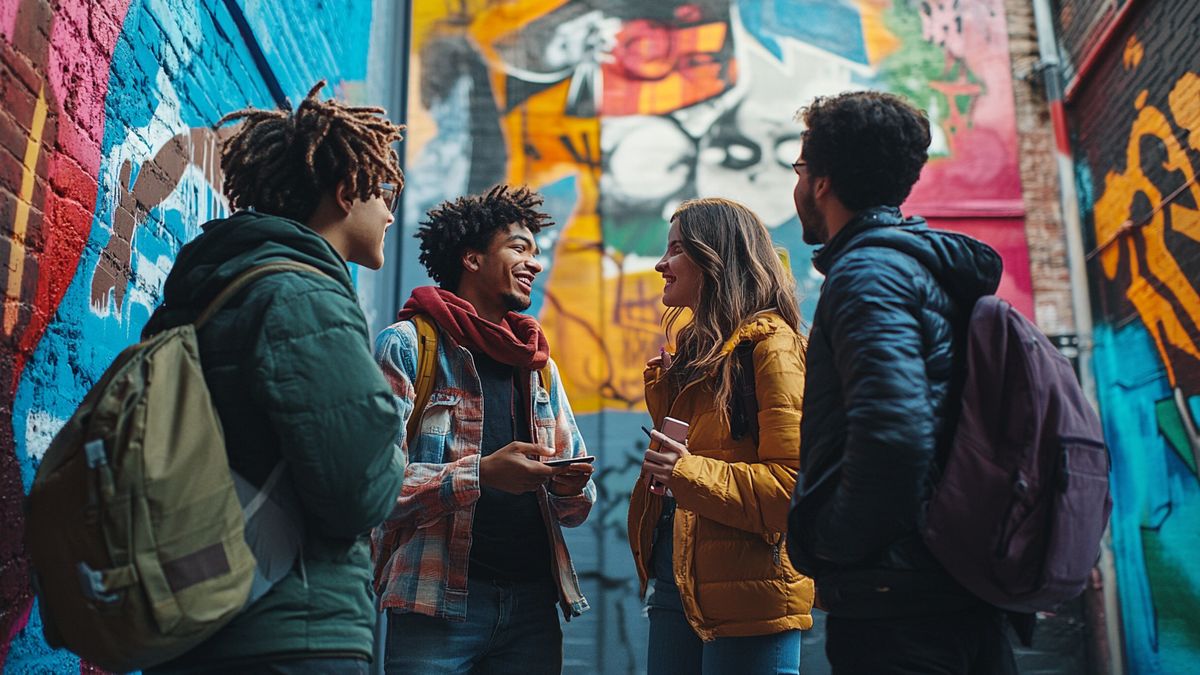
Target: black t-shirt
508,536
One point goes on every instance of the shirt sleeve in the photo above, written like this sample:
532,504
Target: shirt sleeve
430,490
572,510
755,496
879,358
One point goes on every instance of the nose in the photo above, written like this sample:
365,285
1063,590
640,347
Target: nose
661,265
534,265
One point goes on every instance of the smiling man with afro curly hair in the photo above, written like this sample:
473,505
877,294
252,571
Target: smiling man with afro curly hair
884,369
472,561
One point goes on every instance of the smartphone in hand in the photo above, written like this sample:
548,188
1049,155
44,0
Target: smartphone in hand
585,459
676,430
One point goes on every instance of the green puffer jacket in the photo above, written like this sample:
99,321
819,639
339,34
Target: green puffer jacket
289,365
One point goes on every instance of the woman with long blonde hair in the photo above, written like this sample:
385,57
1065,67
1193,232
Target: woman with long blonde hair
725,598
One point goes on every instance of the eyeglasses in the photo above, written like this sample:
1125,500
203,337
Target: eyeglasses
796,166
391,195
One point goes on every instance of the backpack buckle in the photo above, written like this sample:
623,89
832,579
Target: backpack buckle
92,583
96,456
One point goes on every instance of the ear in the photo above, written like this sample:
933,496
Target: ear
819,185
472,260
822,187
344,197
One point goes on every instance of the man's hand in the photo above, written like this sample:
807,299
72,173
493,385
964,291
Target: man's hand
572,479
660,464
511,470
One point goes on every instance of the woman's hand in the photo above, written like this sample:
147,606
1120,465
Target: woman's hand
663,360
659,464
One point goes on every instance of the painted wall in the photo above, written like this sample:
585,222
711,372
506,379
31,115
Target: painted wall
107,166
619,110
1136,127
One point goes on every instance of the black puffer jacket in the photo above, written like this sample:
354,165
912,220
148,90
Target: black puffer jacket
883,373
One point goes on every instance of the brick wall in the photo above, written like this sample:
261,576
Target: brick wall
1039,177
107,166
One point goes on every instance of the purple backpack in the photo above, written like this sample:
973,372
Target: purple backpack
1022,500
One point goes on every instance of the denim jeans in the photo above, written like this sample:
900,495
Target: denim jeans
675,649
511,627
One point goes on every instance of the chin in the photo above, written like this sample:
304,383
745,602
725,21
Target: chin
514,302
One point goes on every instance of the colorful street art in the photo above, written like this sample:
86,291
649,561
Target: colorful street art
1137,120
616,110
108,166
619,110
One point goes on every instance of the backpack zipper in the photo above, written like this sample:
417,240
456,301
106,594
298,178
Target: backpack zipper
1020,488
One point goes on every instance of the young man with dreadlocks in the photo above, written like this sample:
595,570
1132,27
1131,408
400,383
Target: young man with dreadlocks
471,560
289,367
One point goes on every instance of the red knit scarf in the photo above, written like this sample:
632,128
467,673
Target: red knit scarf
517,341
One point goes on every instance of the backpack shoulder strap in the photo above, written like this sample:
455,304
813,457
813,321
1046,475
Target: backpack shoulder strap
427,339
244,279
744,416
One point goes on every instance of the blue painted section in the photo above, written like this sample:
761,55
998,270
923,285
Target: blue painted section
306,40
600,549
1156,506
832,25
561,198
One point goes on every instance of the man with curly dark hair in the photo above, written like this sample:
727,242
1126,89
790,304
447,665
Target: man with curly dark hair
471,562
885,369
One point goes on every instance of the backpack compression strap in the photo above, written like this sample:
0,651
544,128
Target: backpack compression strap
427,339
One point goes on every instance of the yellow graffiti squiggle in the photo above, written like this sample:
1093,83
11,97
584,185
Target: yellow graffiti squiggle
16,258
1112,213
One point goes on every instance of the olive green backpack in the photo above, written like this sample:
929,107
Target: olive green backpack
137,528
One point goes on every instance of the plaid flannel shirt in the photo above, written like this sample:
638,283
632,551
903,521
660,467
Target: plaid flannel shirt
421,551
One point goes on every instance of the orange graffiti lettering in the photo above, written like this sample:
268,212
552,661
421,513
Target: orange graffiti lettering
1158,289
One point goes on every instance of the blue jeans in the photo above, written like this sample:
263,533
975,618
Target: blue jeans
511,627
675,649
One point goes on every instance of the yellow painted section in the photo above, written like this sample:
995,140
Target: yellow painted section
1151,291
16,253
880,41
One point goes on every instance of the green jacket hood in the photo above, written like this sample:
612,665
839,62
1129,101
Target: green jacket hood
230,246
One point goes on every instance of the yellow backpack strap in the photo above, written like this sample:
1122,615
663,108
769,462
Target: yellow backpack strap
427,339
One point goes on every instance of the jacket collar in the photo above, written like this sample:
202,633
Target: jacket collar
867,219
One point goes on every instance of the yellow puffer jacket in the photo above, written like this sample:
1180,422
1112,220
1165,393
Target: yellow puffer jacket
732,497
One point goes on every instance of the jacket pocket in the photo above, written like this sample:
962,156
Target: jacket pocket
437,420
543,417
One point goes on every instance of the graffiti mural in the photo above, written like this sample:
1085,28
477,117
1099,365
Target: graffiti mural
1137,119
109,165
618,111
53,92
